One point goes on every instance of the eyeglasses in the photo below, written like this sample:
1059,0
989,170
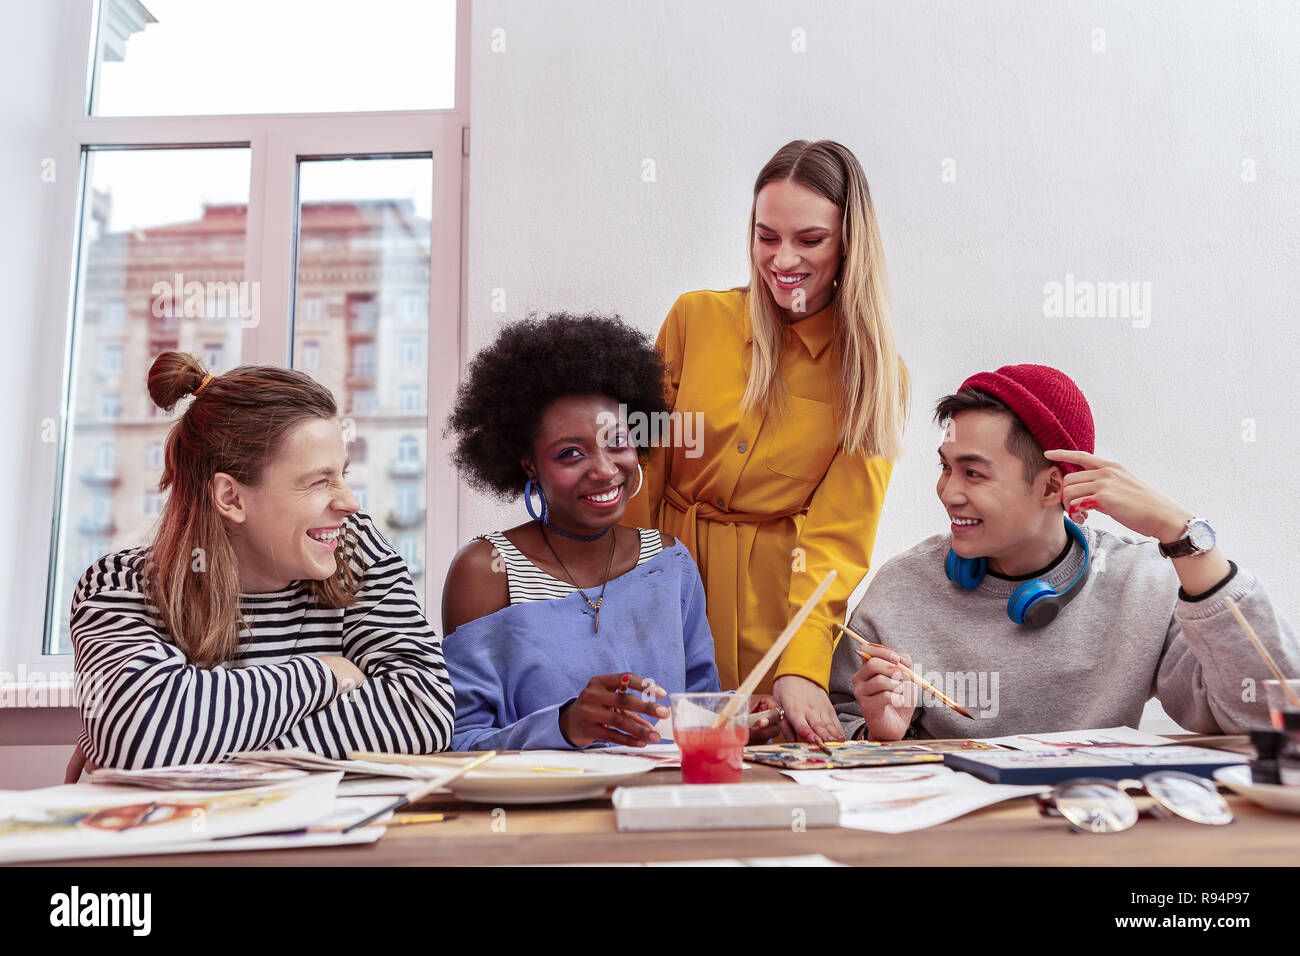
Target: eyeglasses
1095,805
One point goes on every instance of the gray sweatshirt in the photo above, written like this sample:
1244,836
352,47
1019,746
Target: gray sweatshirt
1127,636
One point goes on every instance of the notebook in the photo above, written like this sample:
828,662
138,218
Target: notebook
1111,763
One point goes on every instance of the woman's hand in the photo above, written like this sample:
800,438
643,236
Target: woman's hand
350,676
600,712
886,695
809,714
766,728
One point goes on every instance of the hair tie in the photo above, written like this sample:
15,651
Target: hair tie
203,384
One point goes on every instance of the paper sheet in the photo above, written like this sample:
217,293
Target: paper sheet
906,798
95,820
663,755
306,760
203,776
349,810
367,786
264,841
667,756
1109,737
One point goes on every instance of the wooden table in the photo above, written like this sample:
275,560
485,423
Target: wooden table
1006,834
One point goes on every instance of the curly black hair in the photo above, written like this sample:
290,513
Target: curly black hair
532,363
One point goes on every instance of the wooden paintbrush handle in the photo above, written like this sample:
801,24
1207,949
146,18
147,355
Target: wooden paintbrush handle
765,664
1263,652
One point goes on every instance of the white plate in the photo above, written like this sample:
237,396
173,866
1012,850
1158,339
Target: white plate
1271,795
599,771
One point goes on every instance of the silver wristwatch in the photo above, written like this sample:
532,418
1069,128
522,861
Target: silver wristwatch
1198,539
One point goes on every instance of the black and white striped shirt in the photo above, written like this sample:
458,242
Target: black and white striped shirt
145,705
527,582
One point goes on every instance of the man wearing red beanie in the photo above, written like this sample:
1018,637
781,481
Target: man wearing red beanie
1036,624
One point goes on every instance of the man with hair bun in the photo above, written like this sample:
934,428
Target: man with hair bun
268,612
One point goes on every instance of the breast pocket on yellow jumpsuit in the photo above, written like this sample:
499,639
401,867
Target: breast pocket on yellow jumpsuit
802,441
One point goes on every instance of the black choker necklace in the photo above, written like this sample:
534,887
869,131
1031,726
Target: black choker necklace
574,535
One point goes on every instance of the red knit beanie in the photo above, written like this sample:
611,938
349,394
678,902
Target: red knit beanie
1047,401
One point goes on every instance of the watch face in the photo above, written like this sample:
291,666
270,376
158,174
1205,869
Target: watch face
1201,534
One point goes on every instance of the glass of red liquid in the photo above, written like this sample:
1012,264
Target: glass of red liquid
712,751
1279,700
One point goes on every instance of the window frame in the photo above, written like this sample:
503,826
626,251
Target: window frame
277,142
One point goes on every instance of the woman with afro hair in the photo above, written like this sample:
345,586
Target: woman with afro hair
542,621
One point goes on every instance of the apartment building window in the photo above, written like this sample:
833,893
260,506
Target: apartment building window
412,307
114,312
407,498
409,547
110,406
408,399
410,351
110,360
105,459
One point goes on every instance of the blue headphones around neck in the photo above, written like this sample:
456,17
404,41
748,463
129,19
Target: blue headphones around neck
1034,603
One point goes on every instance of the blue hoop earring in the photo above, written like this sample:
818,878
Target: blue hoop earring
528,500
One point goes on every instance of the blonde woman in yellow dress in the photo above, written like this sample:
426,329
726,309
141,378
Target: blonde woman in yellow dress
800,394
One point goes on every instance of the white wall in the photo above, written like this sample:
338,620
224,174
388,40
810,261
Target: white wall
1125,164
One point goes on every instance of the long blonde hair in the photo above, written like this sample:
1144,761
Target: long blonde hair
873,394
234,425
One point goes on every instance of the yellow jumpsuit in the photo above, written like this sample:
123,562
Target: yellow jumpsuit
767,507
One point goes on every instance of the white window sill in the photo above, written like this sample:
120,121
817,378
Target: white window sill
38,695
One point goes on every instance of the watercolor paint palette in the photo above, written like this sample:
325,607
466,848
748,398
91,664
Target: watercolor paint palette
858,753
724,806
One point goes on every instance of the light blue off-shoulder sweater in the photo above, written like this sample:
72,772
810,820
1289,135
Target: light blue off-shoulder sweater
515,669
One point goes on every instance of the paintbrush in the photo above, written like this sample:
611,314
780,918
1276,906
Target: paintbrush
437,760
765,664
1263,652
424,789
911,674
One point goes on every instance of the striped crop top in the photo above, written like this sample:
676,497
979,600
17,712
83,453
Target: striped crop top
528,582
